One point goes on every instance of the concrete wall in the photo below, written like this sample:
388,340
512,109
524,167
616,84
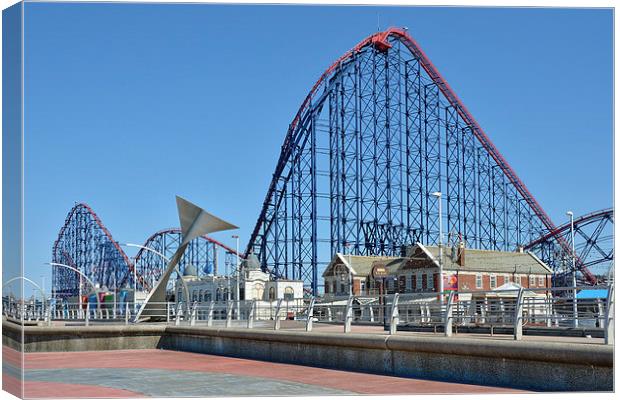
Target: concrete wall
527,365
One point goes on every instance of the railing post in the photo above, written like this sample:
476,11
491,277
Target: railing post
483,310
87,317
371,313
310,315
48,316
549,309
348,315
229,310
394,315
251,314
210,313
447,327
192,318
177,314
600,314
610,316
127,313
518,326
276,318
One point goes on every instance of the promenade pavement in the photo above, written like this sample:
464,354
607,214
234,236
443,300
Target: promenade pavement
160,373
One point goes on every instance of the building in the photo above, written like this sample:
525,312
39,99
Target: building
254,284
418,271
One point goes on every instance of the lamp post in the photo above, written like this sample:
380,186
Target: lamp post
572,239
236,237
81,274
347,246
440,244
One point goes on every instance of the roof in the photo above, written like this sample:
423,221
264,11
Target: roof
363,265
484,260
490,261
592,294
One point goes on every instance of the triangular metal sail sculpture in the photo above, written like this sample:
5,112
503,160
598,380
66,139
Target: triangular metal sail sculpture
194,222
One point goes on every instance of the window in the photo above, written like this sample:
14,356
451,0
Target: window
506,278
259,289
342,288
272,293
429,282
194,295
479,281
413,282
424,281
334,285
180,295
407,283
493,281
541,280
363,287
532,280
419,281
289,293
207,296
200,294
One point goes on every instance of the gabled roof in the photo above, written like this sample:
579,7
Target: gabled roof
420,256
490,261
361,265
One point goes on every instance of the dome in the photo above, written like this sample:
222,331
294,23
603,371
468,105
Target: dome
190,270
251,263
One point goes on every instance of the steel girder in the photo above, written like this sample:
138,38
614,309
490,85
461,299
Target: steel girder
594,247
202,252
378,134
86,244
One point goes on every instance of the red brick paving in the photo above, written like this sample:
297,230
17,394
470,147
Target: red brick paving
64,390
163,359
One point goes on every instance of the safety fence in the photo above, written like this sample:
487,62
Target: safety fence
505,310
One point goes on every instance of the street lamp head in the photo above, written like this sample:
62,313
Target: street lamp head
235,236
436,194
569,213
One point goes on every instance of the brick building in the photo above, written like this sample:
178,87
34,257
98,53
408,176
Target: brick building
418,271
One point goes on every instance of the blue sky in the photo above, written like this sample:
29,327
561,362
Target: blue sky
128,105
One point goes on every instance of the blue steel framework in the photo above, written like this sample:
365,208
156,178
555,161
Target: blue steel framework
86,244
378,134
202,253
594,246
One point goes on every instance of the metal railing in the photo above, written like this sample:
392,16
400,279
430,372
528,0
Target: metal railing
511,311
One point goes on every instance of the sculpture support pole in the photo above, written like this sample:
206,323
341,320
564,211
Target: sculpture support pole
194,222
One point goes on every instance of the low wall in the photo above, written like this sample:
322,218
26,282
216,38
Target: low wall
520,364
81,338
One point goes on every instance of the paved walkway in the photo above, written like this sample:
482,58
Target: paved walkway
161,373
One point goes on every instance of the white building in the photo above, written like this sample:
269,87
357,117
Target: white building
254,285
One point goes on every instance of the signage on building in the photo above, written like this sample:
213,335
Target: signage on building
379,271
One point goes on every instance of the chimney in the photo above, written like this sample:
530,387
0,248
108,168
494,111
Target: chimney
462,254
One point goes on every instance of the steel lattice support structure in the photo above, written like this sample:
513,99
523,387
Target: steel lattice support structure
202,253
594,245
86,244
378,133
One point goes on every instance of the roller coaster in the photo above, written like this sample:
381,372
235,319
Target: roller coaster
86,244
377,138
